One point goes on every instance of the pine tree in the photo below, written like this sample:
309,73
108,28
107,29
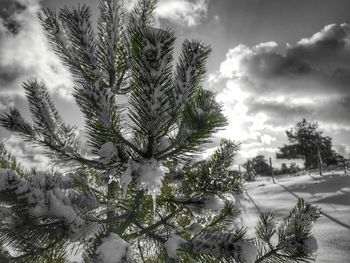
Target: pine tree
259,165
141,196
306,141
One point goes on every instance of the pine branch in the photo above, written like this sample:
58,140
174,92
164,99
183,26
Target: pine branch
190,71
47,119
294,235
142,13
223,245
151,71
112,46
13,121
50,131
201,118
224,219
81,37
8,161
223,158
60,40
102,118
33,240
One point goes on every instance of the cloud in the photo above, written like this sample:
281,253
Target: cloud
182,12
31,155
189,13
8,10
269,87
25,51
343,149
310,78
8,101
27,155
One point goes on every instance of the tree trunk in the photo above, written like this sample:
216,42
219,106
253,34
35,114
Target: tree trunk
272,173
110,211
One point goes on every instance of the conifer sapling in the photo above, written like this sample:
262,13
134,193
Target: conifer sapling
142,195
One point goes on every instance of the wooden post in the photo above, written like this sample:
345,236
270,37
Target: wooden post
319,159
239,170
346,162
272,173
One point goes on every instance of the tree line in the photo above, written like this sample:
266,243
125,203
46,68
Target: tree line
307,142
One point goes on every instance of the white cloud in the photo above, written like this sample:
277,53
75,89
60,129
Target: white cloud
189,13
343,149
27,54
183,12
27,155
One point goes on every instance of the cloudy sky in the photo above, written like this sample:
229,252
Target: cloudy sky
273,63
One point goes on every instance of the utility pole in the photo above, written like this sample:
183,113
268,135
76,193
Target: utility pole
319,158
272,173
346,164
239,170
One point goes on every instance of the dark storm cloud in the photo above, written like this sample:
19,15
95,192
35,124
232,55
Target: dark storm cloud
320,63
8,11
277,111
329,47
326,52
8,74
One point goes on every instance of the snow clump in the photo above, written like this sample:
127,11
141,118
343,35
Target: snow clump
150,176
172,244
310,244
45,198
107,152
113,250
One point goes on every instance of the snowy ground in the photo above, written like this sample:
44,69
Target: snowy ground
331,193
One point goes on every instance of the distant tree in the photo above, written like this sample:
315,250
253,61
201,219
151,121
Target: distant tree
259,165
284,169
293,168
342,162
305,138
250,173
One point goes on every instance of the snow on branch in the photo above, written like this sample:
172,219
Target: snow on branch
142,13
113,249
46,117
173,243
149,174
14,121
112,54
44,198
59,41
151,71
200,119
72,38
190,71
225,245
